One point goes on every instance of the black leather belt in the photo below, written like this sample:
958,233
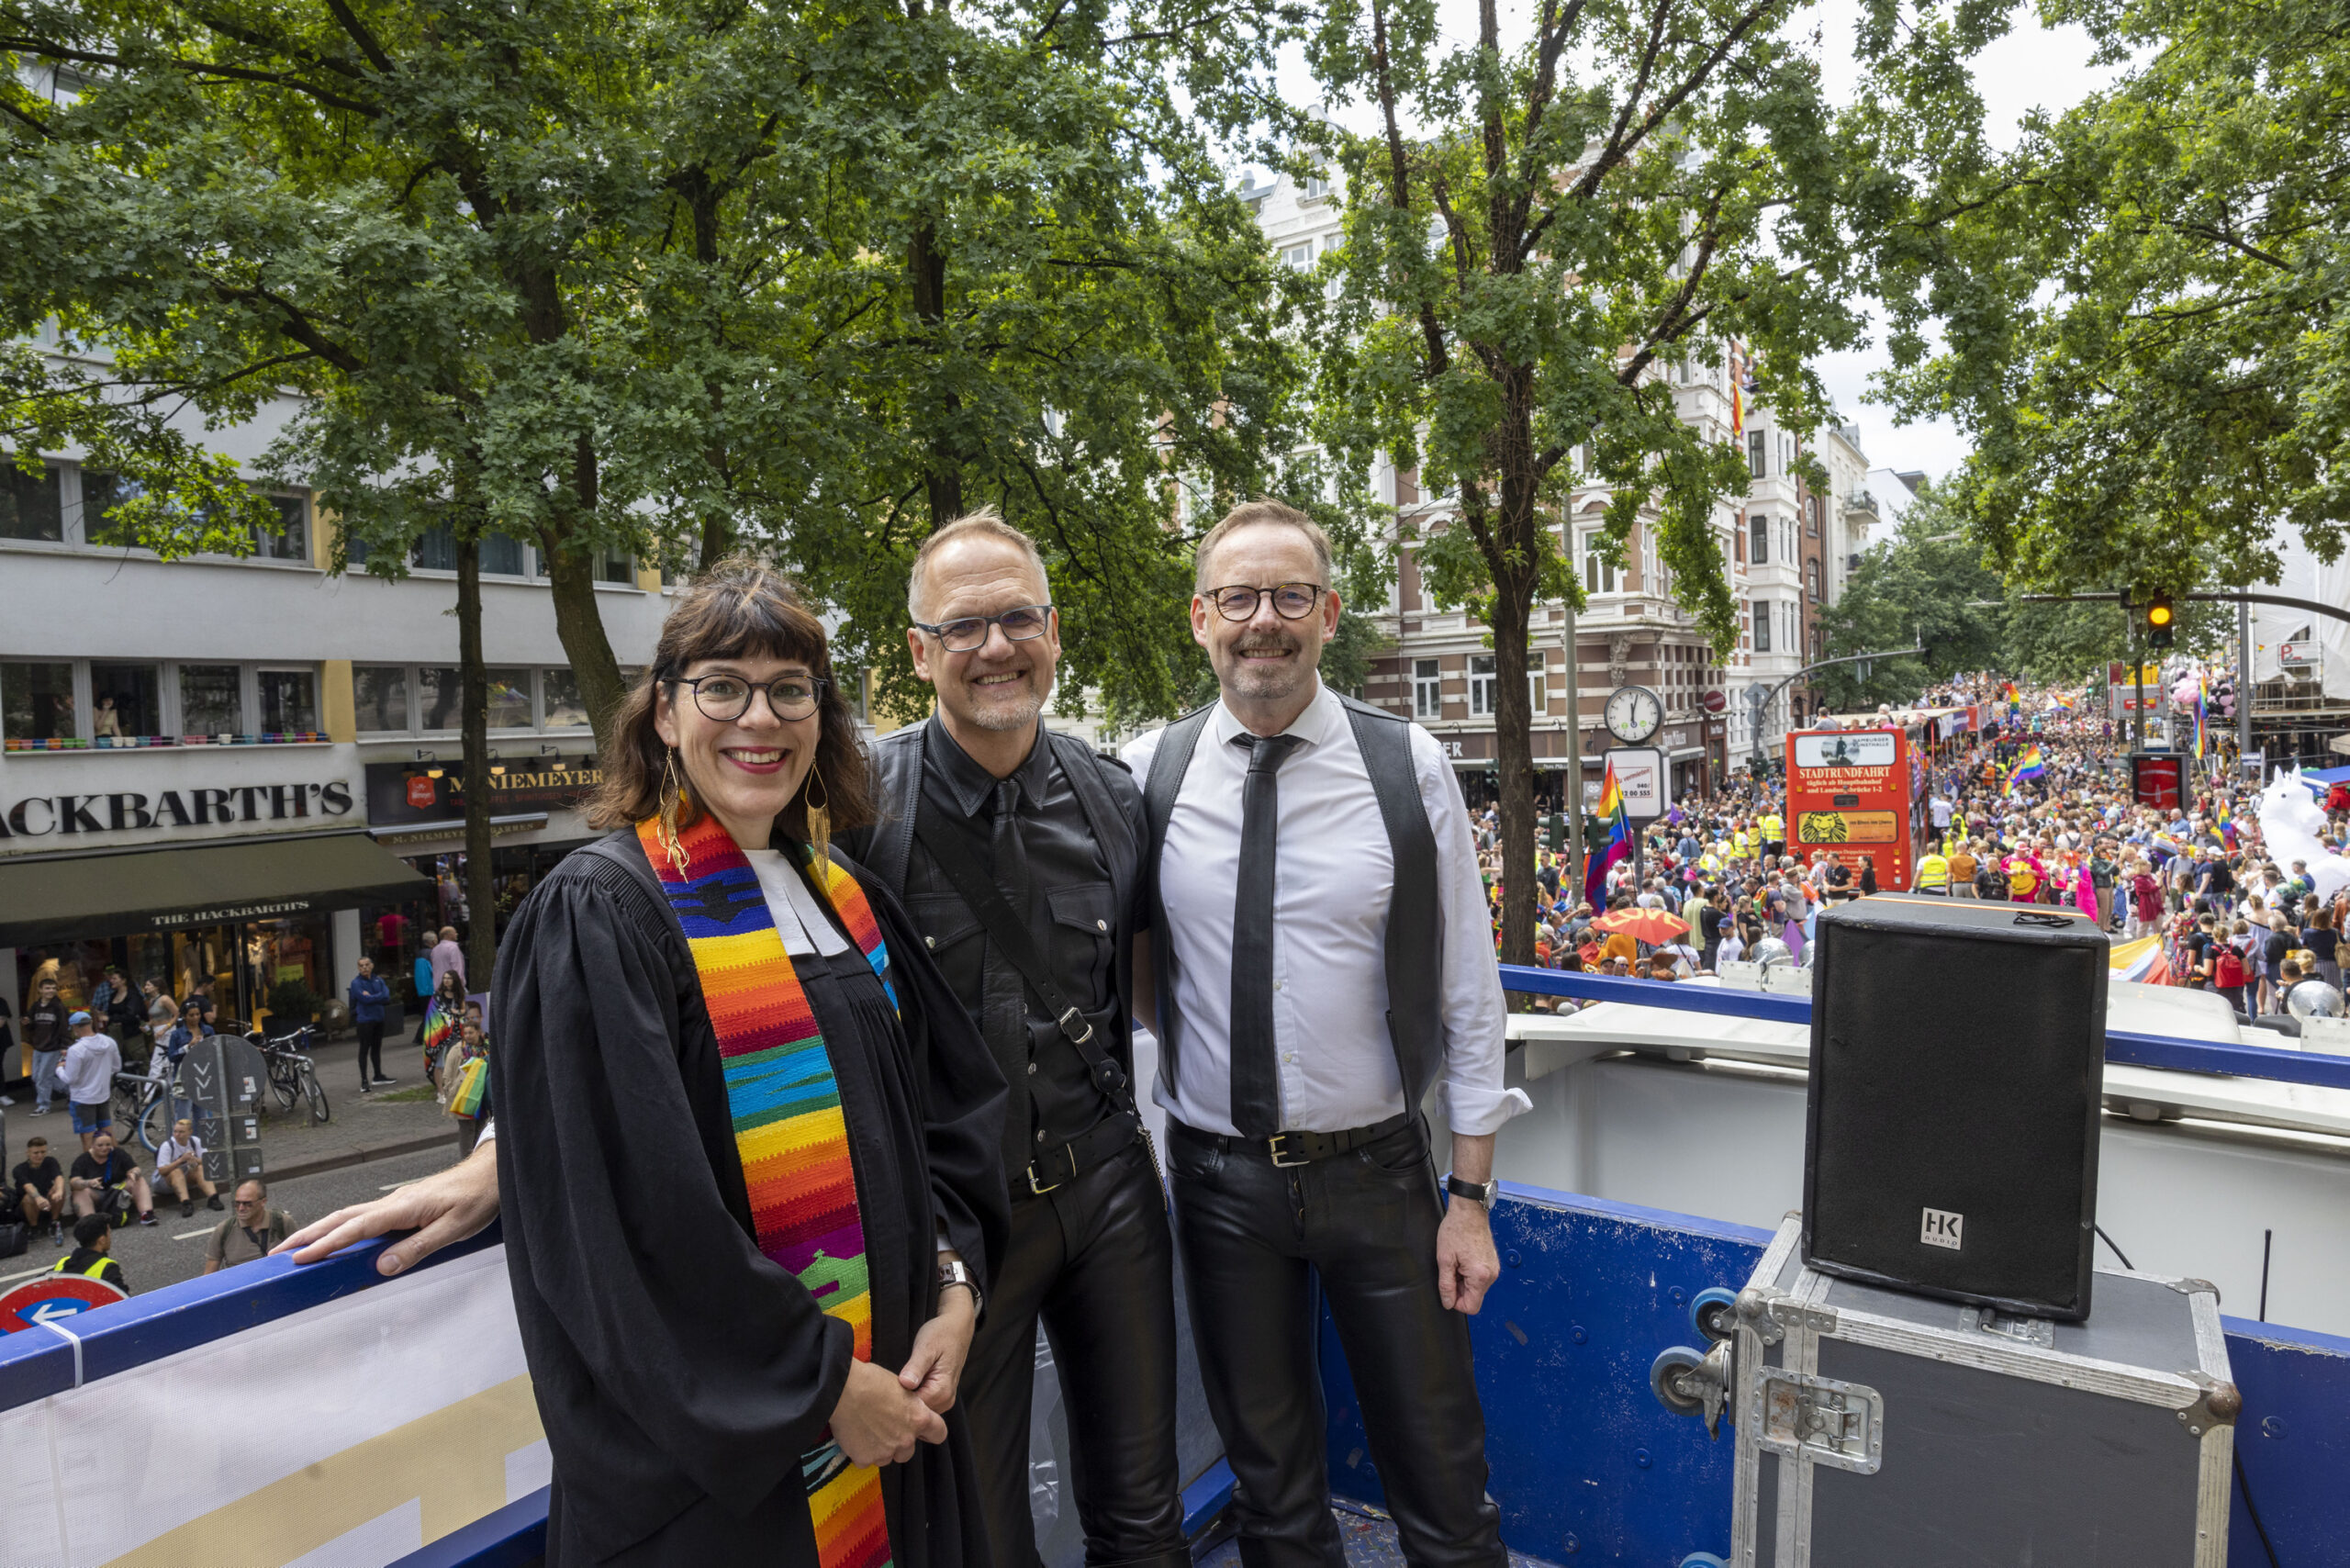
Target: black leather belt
1294,1148
1089,1149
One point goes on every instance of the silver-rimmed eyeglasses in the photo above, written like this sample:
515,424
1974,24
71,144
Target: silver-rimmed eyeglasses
964,632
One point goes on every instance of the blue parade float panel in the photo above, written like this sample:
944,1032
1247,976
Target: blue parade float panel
1588,1466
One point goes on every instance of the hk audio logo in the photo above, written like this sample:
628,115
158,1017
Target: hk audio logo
1941,1228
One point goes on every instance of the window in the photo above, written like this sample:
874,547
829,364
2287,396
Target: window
125,699
617,566
101,493
566,710
37,701
1761,626
1537,700
1811,579
29,505
1481,684
379,696
1300,257
438,693
289,700
1598,572
1427,689
1757,464
1761,553
509,698
435,550
1814,516
290,540
211,700
501,555
1317,186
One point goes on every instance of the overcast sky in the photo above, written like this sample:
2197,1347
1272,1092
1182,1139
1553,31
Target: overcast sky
2033,67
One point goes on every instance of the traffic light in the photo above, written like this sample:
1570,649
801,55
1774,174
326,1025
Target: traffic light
2161,617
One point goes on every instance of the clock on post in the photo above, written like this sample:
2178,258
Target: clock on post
1633,714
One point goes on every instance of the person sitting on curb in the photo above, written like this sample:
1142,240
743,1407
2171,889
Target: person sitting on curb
105,1181
38,1183
179,1164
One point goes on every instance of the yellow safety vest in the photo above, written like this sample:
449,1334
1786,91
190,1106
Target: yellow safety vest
1933,871
94,1271
1774,830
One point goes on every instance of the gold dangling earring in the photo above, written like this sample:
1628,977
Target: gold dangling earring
673,799
820,815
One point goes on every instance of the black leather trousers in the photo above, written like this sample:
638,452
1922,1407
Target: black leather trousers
1255,1239
1092,1258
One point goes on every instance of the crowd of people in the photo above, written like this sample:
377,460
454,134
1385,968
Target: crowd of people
2196,879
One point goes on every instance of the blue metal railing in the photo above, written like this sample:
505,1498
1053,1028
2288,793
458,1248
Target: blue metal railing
2121,1045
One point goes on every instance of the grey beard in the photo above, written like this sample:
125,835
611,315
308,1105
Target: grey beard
1019,716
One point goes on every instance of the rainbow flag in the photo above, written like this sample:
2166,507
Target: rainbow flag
1620,841
2202,714
2031,765
2059,702
2011,691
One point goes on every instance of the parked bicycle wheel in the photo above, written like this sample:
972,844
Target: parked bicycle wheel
316,1094
155,1123
284,1082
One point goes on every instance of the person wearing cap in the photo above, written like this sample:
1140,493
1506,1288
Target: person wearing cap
91,1063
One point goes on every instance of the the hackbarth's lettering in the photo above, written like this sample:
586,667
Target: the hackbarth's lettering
126,811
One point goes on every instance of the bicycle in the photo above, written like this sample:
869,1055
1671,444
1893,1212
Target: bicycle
144,1102
292,1076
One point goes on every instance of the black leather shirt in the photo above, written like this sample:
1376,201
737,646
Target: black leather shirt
1059,880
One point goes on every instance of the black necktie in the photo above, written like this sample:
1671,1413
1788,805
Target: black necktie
1256,1075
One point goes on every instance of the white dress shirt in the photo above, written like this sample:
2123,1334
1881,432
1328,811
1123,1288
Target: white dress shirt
1334,876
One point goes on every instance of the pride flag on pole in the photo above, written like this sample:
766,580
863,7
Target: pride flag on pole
1610,811
2202,714
2031,765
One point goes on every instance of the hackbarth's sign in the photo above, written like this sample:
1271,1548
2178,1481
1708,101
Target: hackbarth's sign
133,810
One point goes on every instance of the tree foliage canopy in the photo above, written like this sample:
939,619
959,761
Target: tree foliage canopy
2143,307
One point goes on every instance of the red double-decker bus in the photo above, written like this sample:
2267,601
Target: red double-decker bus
1860,791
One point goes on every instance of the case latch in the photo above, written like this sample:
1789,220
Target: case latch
1837,1424
1771,1312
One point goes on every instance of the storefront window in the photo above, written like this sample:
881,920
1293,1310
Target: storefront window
37,701
209,701
565,711
289,700
509,698
124,700
440,694
379,692
29,508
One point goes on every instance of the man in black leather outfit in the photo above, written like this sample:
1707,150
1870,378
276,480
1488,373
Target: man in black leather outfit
1017,852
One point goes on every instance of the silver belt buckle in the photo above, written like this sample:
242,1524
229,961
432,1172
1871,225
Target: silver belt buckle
1274,1145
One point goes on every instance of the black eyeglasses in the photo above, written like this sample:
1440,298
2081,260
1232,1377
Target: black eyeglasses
728,696
1020,623
1291,602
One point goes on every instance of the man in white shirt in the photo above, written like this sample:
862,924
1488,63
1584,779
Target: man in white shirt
1321,959
91,1062
179,1165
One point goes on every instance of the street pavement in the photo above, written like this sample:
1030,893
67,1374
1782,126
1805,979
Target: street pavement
172,1248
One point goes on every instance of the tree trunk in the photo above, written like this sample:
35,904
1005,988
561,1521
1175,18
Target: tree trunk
1513,753
927,273
579,623
481,887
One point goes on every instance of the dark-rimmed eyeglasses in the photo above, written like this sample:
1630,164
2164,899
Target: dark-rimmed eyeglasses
1020,623
726,698
1291,602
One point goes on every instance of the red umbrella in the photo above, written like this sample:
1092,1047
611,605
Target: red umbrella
1650,926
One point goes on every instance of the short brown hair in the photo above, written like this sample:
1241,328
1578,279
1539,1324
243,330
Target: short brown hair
1251,514
739,607
985,522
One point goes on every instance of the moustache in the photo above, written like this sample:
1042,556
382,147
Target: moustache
1257,642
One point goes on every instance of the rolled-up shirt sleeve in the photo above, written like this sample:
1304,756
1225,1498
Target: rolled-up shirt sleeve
1475,1017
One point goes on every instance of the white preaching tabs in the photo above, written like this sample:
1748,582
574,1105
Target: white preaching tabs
1333,880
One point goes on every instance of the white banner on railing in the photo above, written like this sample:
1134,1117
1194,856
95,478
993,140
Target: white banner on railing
347,1435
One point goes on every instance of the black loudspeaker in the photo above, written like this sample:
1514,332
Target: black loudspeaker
1957,1064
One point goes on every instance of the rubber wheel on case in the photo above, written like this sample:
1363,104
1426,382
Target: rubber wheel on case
1714,1313
1703,1560
1669,1364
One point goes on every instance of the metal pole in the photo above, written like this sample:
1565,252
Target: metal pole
2243,681
2138,682
1574,753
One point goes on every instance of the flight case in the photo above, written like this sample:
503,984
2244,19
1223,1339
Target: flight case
1878,1427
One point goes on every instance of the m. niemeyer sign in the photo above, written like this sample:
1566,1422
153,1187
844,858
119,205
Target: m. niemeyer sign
398,793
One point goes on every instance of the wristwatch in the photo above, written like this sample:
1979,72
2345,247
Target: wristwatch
1483,1192
958,1273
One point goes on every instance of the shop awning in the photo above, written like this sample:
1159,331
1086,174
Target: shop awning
126,892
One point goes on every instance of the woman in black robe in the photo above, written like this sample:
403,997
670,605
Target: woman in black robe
680,1374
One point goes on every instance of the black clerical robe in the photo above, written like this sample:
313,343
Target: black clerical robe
680,1374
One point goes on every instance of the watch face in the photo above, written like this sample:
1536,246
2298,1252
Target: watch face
1633,713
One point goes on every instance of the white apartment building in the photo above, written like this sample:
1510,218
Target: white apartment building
1788,551
244,769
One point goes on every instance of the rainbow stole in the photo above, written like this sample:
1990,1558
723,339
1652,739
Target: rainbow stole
788,1129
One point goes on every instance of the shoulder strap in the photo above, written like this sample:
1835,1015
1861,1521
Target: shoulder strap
979,892
1167,766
